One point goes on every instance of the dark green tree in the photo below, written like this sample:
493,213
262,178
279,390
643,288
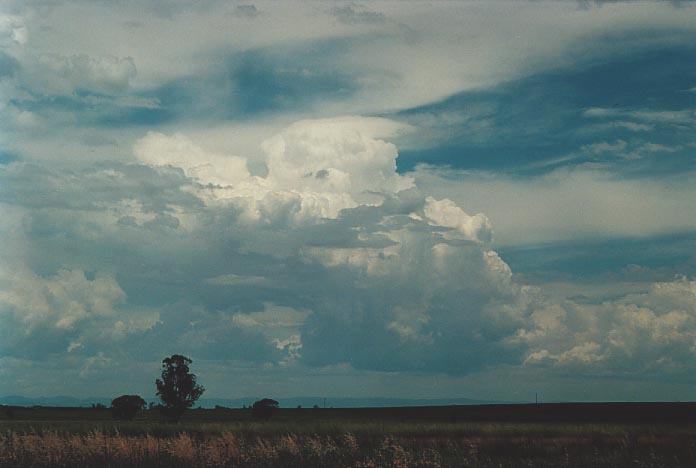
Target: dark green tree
264,409
177,388
127,406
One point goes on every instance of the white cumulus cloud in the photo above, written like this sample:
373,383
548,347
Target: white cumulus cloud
654,331
315,169
64,311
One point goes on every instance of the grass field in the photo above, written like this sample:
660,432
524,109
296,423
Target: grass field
344,438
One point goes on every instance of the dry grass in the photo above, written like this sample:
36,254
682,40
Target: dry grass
487,448
73,437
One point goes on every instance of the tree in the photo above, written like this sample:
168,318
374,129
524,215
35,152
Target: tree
9,412
264,409
177,388
127,406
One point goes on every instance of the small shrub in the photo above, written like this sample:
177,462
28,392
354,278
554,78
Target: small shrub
264,409
126,407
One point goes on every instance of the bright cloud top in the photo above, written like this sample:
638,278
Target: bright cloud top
315,169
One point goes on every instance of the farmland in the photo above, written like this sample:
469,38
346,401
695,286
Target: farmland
491,435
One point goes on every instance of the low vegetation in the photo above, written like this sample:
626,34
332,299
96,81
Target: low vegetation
341,442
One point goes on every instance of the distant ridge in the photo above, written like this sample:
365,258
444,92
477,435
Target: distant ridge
292,402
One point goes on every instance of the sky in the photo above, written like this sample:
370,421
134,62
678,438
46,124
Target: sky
397,199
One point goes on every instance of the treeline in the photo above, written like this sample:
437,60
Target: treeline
178,389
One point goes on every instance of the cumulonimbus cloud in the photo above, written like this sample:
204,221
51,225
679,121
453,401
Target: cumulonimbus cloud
371,270
410,282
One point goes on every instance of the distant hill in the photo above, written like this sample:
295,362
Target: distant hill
307,402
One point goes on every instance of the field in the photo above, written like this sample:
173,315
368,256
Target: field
638,435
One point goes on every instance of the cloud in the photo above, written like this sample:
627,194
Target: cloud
446,213
13,30
94,363
245,11
159,161
315,169
566,204
65,312
273,319
213,336
282,326
356,14
673,117
651,332
622,149
341,157
497,47
56,74
329,218
598,149
325,257
422,303
157,149
125,189
44,92
628,125
62,300
659,148
354,221
231,279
